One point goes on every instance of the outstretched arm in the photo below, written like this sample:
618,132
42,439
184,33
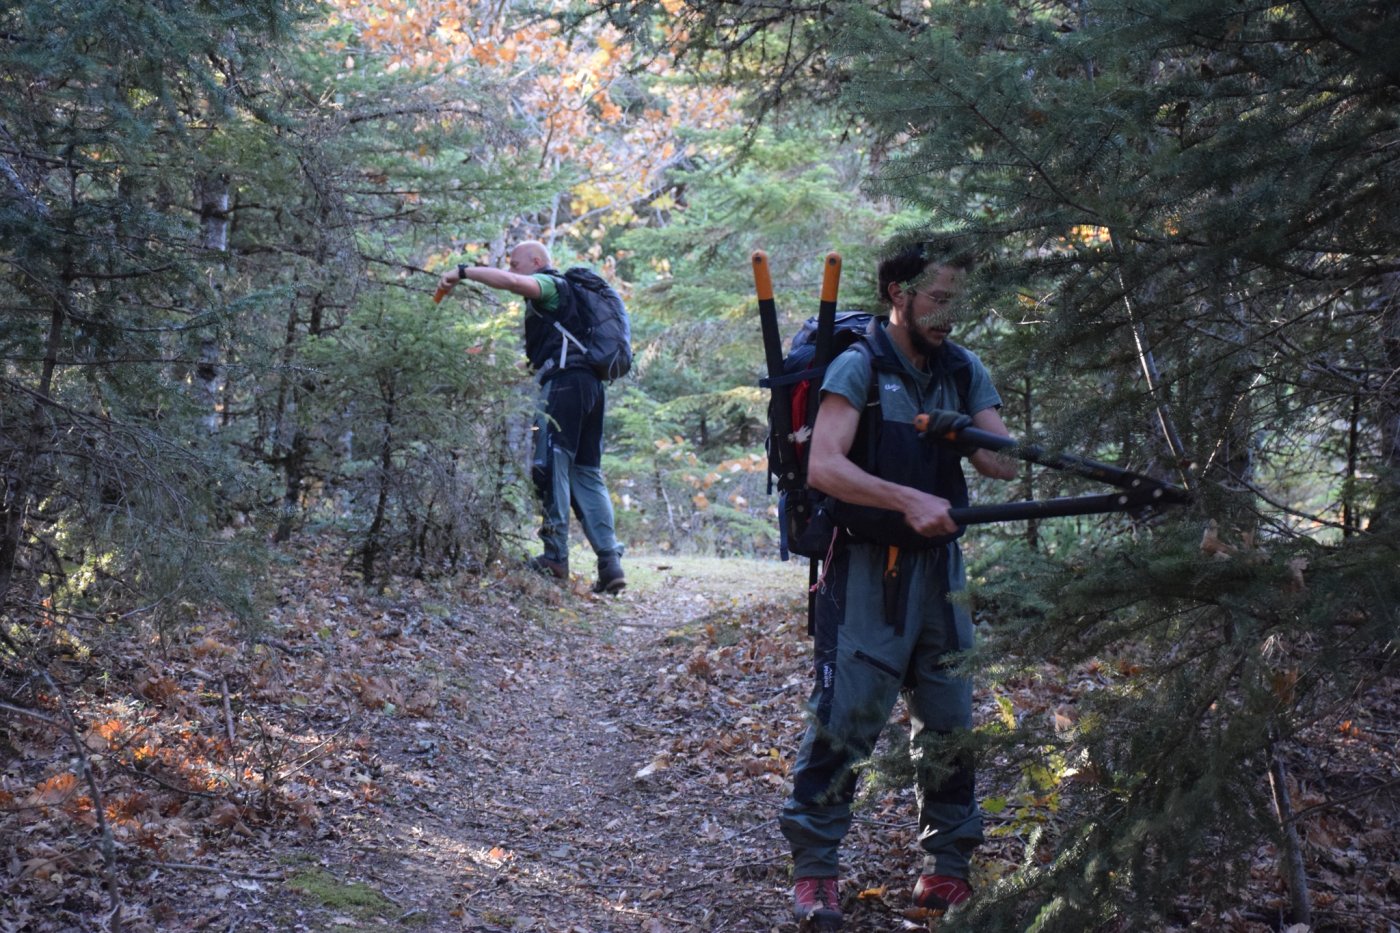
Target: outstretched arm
523,285
830,469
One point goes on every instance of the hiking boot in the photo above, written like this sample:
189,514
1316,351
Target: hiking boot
610,578
816,900
939,892
559,569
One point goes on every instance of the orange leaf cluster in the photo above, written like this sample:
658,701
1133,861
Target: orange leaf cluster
568,88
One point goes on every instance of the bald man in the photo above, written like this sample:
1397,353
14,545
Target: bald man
567,465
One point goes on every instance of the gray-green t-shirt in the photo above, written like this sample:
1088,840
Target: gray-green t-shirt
849,377
901,398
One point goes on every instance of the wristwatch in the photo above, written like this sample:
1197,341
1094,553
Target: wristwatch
461,271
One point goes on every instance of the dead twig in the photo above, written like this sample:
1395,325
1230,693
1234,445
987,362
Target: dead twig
1292,866
228,713
99,806
283,647
20,710
174,788
219,870
1335,802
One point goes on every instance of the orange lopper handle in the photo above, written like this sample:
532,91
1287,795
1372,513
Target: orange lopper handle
831,277
762,280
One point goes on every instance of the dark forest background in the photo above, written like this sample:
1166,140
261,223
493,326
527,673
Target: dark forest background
221,224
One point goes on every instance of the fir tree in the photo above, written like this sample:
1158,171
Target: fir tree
112,291
1195,196
1188,208
356,185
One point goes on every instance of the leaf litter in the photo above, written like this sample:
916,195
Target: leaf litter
503,753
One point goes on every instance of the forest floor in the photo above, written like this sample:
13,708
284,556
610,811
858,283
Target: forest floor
503,753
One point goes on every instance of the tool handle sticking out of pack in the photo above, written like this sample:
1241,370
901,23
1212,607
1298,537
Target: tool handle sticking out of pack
826,308
794,383
782,454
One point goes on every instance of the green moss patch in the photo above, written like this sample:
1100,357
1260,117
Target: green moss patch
352,897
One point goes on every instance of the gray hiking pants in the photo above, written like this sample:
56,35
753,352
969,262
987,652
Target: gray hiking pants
567,464
878,636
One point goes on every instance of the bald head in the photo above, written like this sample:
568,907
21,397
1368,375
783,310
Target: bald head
529,257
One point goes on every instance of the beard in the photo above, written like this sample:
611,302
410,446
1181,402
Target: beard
923,346
937,320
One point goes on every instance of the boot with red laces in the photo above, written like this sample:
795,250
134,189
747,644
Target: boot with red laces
816,900
939,892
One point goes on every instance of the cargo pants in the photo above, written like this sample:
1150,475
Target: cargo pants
878,636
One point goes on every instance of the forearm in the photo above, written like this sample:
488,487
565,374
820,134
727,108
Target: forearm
841,479
486,275
501,279
994,465
831,470
987,462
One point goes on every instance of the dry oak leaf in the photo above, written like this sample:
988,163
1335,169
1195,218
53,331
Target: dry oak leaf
225,816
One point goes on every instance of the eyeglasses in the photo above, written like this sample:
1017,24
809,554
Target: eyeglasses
939,299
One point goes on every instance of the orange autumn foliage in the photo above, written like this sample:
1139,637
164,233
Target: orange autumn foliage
586,110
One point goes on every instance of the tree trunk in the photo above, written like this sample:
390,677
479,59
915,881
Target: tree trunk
1350,524
212,193
373,545
1028,487
1386,308
289,447
293,474
19,475
1294,872
22,460
1232,467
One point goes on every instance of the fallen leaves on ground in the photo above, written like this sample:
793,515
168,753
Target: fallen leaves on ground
501,753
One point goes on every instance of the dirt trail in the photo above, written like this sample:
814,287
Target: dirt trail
578,790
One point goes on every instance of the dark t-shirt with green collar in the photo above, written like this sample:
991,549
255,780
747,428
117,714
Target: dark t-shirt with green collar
546,347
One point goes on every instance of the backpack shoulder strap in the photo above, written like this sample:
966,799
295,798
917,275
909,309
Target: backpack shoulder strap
872,416
878,347
962,373
863,347
566,310
566,295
